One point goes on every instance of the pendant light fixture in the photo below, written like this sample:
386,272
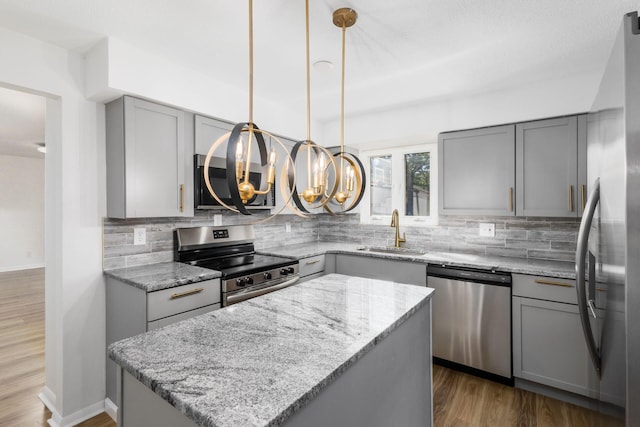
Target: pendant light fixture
351,175
318,192
239,156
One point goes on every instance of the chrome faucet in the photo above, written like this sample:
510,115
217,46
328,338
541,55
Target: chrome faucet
395,222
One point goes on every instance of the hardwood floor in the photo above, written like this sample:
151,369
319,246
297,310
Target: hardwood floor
459,400
22,352
463,400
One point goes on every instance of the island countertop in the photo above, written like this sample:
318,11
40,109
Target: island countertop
258,362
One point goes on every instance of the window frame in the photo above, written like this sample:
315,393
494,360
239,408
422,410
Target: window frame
398,183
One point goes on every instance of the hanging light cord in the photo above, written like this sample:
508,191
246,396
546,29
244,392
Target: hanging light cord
248,159
308,93
344,31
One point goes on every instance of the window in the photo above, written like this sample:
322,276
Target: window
401,178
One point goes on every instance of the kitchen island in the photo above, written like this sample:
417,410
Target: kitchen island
337,350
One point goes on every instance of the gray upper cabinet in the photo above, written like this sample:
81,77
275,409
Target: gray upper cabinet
149,166
208,131
477,171
549,175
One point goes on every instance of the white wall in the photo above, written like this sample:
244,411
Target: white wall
21,213
74,206
115,67
421,123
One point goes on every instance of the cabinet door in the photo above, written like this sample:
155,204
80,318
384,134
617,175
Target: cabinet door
207,132
549,346
383,269
583,190
477,171
547,168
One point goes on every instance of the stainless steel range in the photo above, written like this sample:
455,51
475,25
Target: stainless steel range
231,251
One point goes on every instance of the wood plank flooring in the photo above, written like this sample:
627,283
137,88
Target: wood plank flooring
460,400
22,352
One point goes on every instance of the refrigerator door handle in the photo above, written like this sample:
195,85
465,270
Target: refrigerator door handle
581,254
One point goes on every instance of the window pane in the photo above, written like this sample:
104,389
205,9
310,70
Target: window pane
380,185
417,179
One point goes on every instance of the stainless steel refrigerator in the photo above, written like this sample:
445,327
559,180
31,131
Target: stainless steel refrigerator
609,239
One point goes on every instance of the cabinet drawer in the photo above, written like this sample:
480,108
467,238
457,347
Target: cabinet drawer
182,316
545,288
168,302
311,265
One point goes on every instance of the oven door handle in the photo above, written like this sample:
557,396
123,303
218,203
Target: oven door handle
232,299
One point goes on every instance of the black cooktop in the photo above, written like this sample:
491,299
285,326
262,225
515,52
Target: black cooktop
241,265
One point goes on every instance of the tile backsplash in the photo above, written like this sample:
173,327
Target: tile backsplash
540,238
526,237
119,250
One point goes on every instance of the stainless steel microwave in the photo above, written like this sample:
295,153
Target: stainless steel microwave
218,179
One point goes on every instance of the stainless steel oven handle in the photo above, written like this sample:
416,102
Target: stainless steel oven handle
231,299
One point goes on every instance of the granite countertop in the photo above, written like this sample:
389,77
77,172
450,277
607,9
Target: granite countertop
256,363
559,269
154,277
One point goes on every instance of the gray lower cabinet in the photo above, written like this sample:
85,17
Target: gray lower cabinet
149,166
477,175
550,179
548,342
131,311
311,267
384,269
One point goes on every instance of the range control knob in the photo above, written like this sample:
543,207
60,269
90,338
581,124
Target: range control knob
291,270
267,276
284,271
240,282
249,280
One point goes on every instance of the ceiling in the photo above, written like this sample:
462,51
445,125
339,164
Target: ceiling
398,53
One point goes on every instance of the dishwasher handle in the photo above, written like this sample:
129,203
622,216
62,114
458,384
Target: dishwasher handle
465,274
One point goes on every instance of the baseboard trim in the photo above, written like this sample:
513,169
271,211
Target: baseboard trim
111,409
48,398
21,267
70,420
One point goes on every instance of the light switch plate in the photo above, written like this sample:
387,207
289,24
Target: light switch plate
487,230
139,236
217,219
287,227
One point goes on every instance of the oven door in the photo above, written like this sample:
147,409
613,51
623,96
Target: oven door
229,298
218,179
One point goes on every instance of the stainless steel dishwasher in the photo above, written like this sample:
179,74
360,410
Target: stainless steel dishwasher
472,320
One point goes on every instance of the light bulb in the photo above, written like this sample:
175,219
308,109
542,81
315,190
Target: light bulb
239,161
239,150
272,157
316,175
350,178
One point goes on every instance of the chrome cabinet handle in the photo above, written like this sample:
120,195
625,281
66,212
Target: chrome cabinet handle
312,262
582,191
553,283
186,293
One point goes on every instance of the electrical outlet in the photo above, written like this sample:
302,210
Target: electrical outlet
139,236
487,230
287,227
217,219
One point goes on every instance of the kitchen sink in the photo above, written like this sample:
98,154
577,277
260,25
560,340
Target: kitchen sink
393,250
